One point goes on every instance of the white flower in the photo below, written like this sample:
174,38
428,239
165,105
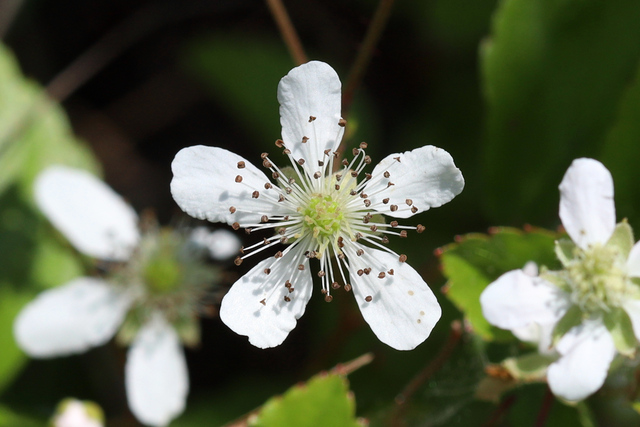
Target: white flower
588,311
320,215
74,413
137,298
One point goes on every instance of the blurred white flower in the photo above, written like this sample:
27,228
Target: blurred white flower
588,311
321,215
150,294
74,413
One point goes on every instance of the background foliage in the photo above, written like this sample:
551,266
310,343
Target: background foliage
513,89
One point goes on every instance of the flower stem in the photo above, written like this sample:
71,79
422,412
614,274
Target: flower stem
500,411
545,408
377,26
424,375
288,32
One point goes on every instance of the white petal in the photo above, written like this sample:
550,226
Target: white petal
632,307
515,300
540,334
221,244
156,374
311,90
587,209
633,262
267,325
95,219
72,318
74,413
426,176
204,186
403,309
587,351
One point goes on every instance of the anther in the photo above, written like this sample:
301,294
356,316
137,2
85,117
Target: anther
288,190
287,299
342,122
364,195
278,255
403,233
347,287
286,151
402,258
354,174
301,267
374,228
386,174
237,261
390,184
320,163
241,165
328,298
264,218
235,226
390,272
311,118
265,241
420,228
409,202
284,239
367,160
345,162
238,178
385,240
267,270
247,230
397,158
340,242
321,273
327,151
291,290
381,275
353,192
385,201
279,143
317,175
360,272
368,176
304,139
363,145
367,271
359,252
281,198
393,208
275,175
338,177
263,301
341,255
232,209
282,230
264,155
394,224
337,187
266,163
355,152
255,194
414,209
287,284
268,186
301,162
368,298
367,202
242,250
335,285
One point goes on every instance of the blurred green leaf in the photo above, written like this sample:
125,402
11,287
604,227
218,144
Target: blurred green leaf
324,400
243,74
477,260
11,301
11,419
554,72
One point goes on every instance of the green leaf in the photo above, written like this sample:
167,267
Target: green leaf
622,239
477,260
572,318
324,400
8,418
529,367
619,326
554,73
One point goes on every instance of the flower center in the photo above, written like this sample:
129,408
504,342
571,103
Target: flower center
323,216
162,274
598,279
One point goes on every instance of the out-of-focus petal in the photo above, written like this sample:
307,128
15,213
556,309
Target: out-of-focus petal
95,219
587,351
515,300
400,307
221,244
310,101
72,318
633,262
587,209
256,304
206,186
417,180
156,374
632,307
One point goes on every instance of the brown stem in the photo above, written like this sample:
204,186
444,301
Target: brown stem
424,375
377,26
545,408
288,32
500,411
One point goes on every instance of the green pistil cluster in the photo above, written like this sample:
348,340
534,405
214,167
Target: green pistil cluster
323,216
597,278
